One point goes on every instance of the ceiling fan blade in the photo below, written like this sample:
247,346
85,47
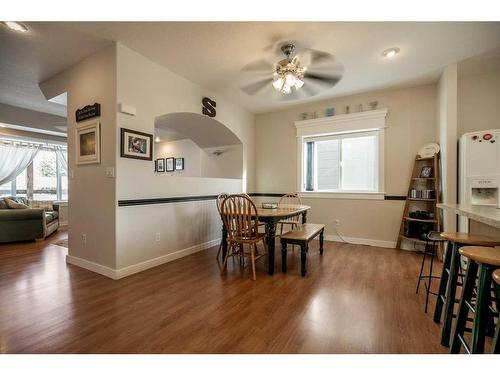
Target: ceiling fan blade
309,90
259,66
254,88
319,57
325,79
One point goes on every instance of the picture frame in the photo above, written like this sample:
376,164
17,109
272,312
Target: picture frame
160,165
88,143
426,172
136,145
179,164
170,164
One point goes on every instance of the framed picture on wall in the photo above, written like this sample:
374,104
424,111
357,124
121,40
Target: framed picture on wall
136,145
170,164
179,164
160,165
88,143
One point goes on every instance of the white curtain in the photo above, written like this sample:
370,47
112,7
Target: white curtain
14,159
62,159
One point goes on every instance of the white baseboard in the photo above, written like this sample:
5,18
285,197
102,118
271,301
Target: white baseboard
361,241
139,267
150,263
92,266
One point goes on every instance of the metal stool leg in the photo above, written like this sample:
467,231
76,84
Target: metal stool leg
429,286
422,266
463,308
481,315
450,296
443,283
495,347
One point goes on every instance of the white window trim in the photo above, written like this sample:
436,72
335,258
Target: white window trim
336,125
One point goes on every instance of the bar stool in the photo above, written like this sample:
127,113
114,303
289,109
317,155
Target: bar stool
495,349
482,261
449,277
435,238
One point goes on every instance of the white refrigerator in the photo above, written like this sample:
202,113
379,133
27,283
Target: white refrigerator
479,171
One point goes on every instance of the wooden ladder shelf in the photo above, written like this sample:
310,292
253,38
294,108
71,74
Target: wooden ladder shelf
419,182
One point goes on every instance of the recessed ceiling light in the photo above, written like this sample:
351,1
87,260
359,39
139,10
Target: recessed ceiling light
157,139
390,52
16,26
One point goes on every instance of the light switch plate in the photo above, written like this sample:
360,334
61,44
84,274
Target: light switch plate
110,172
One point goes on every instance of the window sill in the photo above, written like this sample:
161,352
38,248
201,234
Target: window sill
342,195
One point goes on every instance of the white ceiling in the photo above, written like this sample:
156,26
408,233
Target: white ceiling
27,59
213,53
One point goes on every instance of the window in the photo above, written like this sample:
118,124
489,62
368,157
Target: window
49,179
342,158
18,187
347,162
45,176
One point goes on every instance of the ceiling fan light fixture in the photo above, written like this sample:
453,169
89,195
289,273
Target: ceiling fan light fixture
290,79
298,83
278,83
390,52
286,89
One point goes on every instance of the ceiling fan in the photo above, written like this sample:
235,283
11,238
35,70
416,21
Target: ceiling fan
303,73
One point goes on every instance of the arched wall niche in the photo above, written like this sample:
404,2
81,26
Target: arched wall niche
209,148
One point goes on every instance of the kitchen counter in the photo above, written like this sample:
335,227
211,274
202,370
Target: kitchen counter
489,215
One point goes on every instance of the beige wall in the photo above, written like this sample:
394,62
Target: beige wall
92,199
411,123
478,102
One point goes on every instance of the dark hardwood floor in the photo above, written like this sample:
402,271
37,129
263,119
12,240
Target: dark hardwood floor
355,299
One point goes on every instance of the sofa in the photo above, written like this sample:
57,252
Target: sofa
24,224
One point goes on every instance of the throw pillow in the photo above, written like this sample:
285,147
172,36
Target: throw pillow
3,205
13,204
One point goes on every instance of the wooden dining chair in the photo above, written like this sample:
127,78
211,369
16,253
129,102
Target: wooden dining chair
219,200
242,221
294,221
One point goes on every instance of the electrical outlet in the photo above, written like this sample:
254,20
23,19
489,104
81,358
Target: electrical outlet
84,239
157,237
337,222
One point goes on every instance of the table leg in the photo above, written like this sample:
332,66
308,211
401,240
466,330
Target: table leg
271,233
224,242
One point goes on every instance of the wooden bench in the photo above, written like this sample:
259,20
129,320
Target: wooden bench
301,237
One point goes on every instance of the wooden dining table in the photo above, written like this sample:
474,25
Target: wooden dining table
271,217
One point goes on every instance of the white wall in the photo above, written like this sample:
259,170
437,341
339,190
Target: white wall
156,91
183,148
411,123
226,165
448,138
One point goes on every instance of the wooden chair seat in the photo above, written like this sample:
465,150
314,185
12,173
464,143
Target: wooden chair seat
256,237
470,239
480,254
496,277
301,237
